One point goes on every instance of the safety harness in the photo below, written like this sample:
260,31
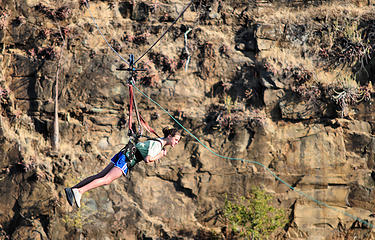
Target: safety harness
133,156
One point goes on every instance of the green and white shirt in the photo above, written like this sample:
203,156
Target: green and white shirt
149,148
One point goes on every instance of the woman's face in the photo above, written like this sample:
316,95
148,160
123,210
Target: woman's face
174,140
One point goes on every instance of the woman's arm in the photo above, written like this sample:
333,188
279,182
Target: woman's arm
149,159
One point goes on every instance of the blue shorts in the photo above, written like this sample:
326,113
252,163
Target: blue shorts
120,161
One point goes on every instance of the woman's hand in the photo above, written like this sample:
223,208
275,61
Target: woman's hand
149,159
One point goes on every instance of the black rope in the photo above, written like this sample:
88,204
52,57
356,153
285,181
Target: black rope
148,50
183,11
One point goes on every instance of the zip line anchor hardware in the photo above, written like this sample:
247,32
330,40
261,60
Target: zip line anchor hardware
133,103
132,69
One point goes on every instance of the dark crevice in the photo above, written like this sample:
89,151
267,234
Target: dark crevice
41,127
251,137
194,159
45,220
322,225
16,220
337,184
178,187
186,191
298,181
291,217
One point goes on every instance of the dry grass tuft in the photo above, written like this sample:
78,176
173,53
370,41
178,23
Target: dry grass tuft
279,60
326,11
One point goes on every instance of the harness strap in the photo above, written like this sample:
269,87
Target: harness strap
132,152
131,99
147,127
141,121
138,155
133,104
140,128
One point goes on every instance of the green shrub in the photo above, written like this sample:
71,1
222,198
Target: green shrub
253,217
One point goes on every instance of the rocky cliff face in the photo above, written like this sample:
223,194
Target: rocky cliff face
287,84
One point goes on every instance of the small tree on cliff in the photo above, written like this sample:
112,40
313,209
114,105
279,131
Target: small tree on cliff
253,217
55,138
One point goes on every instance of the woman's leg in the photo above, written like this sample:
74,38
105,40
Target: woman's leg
113,174
93,177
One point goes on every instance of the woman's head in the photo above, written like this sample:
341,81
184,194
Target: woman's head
172,136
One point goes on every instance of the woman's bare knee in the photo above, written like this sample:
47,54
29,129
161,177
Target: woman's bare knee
113,174
107,180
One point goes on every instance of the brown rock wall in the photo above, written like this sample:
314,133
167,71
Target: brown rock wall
227,97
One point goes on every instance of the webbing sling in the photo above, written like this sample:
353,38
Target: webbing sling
131,152
140,119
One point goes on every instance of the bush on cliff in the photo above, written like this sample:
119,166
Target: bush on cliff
253,217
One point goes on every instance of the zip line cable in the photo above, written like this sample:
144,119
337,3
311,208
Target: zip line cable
165,32
257,163
149,49
210,150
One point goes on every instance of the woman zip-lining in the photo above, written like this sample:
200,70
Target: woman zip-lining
148,151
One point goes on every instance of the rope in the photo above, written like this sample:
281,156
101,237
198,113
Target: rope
257,163
97,27
149,49
165,32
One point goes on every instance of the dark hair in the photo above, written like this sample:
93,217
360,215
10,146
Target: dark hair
170,132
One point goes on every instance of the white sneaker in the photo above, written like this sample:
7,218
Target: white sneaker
77,197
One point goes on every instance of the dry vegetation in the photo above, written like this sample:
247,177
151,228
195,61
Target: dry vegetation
332,46
332,10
